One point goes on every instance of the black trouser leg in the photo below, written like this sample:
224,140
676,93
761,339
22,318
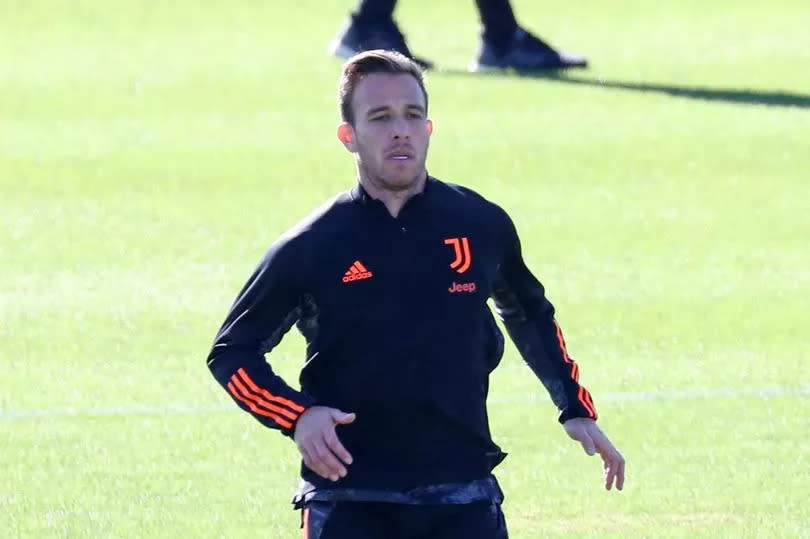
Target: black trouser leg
374,11
345,520
374,520
481,520
498,21
477,520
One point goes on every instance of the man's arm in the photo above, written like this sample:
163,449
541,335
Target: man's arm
266,308
521,303
264,311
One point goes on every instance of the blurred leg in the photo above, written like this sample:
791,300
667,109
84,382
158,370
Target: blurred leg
498,21
506,45
374,11
372,26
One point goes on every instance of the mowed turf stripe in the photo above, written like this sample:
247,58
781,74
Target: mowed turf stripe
173,409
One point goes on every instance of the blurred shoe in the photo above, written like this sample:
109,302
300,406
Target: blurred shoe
357,37
525,52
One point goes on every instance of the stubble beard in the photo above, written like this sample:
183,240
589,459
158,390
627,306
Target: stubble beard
394,185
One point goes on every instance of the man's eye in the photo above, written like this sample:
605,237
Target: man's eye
381,117
414,115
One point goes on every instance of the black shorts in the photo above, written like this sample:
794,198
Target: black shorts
381,520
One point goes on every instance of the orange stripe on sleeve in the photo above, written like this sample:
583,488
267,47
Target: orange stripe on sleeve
561,341
564,350
585,398
284,423
582,394
261,402
590,401
269,396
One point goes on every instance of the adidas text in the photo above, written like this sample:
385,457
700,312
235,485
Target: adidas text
358,276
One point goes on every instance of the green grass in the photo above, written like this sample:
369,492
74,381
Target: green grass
150,152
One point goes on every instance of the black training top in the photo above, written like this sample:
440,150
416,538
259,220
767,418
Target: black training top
398,330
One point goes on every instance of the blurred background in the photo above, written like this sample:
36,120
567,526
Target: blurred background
150,152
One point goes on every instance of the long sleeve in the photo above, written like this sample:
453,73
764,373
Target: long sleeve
521,304
264,311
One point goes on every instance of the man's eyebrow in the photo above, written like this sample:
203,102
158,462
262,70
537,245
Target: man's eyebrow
375,110
384,108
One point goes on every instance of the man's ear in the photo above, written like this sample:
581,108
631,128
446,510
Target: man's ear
430,127
345,134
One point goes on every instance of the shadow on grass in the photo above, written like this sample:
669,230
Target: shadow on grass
728,95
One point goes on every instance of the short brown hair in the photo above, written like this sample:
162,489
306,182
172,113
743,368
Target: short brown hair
376,61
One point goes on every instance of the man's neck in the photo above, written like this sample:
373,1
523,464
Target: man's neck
394,200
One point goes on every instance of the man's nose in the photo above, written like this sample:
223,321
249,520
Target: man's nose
399,128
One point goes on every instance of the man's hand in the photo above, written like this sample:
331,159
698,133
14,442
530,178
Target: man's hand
593,440
318,442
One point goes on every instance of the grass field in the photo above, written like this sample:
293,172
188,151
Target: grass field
150,152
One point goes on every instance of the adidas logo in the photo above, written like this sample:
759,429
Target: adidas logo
356,272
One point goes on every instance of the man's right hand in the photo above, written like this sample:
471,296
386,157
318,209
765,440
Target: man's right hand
318,442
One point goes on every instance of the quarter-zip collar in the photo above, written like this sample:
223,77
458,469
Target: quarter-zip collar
361,196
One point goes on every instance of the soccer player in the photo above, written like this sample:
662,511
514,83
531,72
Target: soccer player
388,283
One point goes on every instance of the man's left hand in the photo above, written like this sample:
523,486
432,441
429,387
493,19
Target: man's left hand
593,441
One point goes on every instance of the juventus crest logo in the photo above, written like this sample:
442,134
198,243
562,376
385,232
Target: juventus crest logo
461,250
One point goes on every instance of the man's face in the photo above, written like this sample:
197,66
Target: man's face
391,131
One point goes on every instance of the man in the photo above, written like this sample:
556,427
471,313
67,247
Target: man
388,283
504,43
